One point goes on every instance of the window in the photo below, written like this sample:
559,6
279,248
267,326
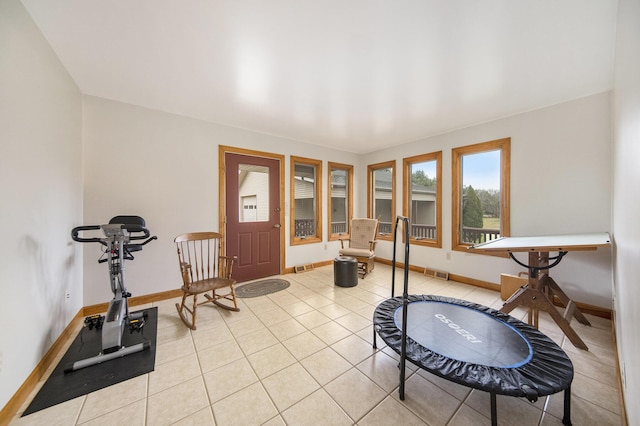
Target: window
253,193
306,200
422,198
480,192
381,188
340,206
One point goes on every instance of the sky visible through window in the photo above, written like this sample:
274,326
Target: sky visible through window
428,167
482,170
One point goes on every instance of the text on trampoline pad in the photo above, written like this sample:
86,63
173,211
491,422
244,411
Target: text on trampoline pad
461,331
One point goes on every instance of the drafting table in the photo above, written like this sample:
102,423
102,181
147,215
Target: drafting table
541,289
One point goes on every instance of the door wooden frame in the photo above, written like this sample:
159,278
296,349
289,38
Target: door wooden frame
222,195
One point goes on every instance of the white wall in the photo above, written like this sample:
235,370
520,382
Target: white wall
164,168
40,196
560,184
626,202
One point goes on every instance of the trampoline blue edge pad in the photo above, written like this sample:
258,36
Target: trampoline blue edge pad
475,346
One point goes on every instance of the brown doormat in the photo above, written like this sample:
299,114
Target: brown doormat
261,288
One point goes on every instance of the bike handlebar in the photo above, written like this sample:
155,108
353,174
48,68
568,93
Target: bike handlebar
131,228
75,231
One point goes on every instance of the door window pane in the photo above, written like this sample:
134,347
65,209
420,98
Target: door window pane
253,193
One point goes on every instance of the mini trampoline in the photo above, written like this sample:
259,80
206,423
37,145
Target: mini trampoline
472,345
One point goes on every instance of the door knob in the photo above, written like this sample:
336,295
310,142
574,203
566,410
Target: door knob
277,225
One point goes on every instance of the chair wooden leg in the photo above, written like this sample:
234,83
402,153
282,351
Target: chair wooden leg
365,266
193,313
363,270
182,307
231,296
233,299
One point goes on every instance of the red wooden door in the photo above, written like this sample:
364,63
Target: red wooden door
253,215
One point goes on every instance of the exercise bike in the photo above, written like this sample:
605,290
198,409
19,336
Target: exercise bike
119,236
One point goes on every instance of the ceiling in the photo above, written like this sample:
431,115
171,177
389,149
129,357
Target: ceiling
354,75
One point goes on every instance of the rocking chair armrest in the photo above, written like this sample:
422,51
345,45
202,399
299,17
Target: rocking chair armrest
343,238
225,263
231,258
372,244
185,269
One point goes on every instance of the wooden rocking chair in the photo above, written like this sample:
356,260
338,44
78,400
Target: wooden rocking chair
204,271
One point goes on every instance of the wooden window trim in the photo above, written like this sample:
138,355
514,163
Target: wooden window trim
504,145
406,194
349,169
370,193
318,201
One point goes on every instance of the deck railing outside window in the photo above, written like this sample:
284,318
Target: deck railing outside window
304,228
418,231
421,232
479,235
338,228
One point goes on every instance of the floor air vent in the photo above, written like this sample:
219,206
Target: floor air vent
436,274
303,268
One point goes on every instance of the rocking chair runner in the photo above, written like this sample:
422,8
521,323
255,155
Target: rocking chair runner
204,271
362,244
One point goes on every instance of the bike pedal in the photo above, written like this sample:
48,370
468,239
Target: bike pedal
136,325
94,321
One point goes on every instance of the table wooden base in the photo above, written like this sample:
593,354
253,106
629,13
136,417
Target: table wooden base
540,294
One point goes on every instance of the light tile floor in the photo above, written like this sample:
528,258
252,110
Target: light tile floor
303,356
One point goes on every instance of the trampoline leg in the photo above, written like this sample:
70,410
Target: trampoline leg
566,419
494,410
402,378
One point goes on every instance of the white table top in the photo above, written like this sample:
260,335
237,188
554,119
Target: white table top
546,243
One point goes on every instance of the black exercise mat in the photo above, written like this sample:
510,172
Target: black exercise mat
61,387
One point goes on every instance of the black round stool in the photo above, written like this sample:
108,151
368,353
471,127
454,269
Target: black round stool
345,271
